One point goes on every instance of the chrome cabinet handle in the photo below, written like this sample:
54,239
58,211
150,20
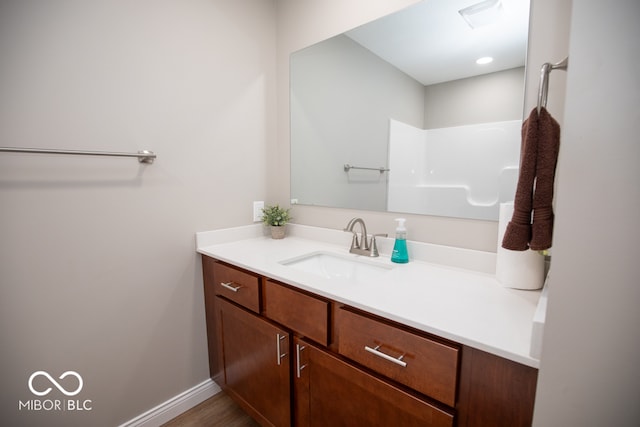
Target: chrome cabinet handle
230,286
279,353
397,360
299,365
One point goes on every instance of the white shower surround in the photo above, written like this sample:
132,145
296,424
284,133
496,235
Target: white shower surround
462,171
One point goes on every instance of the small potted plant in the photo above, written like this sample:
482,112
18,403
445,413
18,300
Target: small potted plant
276,218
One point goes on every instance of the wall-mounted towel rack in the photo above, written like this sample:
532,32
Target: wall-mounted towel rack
144,156
381,169
543,89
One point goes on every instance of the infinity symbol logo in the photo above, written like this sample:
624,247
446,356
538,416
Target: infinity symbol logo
55,383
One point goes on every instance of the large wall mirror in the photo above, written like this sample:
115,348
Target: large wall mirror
397,115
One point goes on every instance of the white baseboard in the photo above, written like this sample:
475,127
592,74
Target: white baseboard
175,406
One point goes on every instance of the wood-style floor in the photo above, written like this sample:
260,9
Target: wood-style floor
218,410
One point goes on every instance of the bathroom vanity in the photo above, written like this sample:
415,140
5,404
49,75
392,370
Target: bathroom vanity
296,343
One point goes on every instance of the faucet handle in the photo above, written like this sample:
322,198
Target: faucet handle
354,240
374,245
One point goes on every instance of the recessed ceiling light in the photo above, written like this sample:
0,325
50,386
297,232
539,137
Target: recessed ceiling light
484,60
482,13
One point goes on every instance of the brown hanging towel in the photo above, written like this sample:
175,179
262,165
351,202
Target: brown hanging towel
548,147
531,226
518,231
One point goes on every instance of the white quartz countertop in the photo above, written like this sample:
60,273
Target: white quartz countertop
449,292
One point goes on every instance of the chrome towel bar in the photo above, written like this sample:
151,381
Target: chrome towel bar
348,167
143,156
543,89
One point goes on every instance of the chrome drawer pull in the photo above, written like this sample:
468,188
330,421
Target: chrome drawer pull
279,352
229,285
396,360
299,366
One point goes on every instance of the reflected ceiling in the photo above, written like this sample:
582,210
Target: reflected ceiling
435,44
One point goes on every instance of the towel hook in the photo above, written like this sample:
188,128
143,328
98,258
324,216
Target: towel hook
543,89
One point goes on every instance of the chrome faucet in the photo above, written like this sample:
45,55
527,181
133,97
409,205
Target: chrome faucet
362,246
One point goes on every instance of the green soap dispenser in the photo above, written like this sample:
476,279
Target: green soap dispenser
400,254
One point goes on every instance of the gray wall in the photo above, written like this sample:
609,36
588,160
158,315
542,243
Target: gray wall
589,374
493,97
98,270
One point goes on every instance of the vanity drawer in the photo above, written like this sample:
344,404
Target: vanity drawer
307,315
237,285
425,365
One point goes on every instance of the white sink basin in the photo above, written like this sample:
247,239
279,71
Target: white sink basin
355,269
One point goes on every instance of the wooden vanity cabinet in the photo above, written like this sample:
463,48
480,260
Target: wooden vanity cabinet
256,364
290,357
215,369
249,356
330,391
305,314
495,392
236,285
423,364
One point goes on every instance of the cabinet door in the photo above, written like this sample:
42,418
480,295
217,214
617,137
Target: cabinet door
256,364
332,392
215,366
495,392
